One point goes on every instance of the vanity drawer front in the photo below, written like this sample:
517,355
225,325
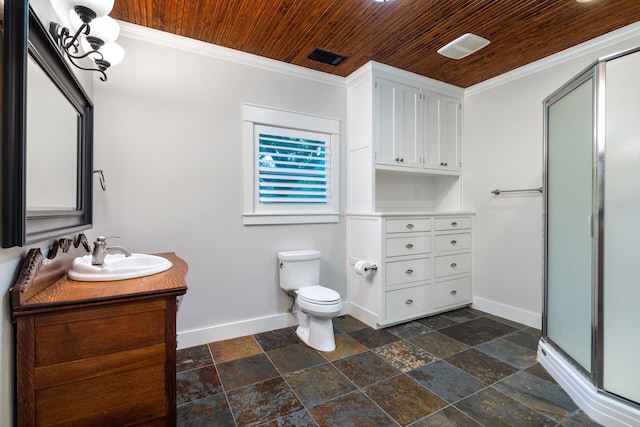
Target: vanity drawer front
452,264
452,242
409,302
408,225
452,223
82,334
414,270
452,292
399,246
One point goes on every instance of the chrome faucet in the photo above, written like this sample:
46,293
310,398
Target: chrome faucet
100,250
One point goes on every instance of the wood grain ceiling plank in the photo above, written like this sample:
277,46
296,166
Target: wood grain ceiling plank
400,33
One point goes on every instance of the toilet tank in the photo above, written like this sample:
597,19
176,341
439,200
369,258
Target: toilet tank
298,269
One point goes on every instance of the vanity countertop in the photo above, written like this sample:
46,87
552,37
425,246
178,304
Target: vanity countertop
43,284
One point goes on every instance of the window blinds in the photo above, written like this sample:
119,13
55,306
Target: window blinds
293,169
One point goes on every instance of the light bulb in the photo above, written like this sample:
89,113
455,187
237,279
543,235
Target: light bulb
113,53
105,28
100,7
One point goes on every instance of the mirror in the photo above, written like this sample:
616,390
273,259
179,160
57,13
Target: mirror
47,146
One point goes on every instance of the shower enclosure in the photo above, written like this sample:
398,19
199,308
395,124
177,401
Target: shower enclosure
591,319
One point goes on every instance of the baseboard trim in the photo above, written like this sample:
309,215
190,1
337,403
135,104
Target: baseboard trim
601,407
364,315
241,328
509,312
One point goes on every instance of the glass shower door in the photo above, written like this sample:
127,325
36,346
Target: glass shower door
569,209
621,315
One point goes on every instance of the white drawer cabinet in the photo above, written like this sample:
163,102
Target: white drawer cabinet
452,223
407,225
407,303
450,265
425,265
413,245
453,242
409,271
452,293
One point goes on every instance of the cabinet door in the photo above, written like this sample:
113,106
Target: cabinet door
385,115
410,132
398,124
443,132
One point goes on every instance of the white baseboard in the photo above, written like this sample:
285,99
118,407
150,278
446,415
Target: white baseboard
241,328
601,407
509,312
364,315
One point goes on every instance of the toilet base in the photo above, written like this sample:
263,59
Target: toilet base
315,332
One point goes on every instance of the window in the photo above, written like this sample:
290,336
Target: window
291,167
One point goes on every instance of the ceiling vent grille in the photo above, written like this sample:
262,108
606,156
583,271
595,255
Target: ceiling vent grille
326,57
463,46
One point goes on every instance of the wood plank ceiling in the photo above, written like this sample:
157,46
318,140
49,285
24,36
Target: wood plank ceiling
402,33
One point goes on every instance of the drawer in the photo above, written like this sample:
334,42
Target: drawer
452,292
452,223
452,264
452,242
414,270
405,303
407,225
399,246
75,340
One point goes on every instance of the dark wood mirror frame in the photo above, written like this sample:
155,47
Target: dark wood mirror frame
25,35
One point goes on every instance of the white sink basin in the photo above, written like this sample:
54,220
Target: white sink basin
117,267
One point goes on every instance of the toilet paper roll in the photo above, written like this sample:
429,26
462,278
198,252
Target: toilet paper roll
363,268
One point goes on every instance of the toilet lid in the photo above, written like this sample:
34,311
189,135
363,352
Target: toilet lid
318,295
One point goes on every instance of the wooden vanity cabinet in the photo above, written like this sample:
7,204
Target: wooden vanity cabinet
98,353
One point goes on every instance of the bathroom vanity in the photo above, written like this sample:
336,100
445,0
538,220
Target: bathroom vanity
94,353
424,265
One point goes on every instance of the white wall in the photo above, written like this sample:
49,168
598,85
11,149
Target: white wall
168,135
503,148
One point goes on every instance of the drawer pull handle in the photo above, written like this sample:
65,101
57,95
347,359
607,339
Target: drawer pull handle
409,271
454,242
454,265
454,224
409,226
409,301
453,292
409,246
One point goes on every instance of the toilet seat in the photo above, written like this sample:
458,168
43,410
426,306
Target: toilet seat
319,295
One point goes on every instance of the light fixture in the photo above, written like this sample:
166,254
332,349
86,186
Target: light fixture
92,34
463,46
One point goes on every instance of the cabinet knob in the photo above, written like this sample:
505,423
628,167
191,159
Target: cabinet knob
441,163
401,160
409,271
454,224
397,159
453,292
409,226
409,246
454,242
409,301
454,265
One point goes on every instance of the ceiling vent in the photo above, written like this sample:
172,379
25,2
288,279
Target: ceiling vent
463,46
326,57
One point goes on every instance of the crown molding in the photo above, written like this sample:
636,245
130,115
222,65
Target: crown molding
162,38
588,47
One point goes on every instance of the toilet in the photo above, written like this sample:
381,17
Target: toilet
317,305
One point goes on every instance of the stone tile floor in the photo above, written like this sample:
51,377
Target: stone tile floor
461,368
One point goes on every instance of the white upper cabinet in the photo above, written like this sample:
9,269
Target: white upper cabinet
443,133
398,126
416,129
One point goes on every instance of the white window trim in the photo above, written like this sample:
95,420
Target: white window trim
254,114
